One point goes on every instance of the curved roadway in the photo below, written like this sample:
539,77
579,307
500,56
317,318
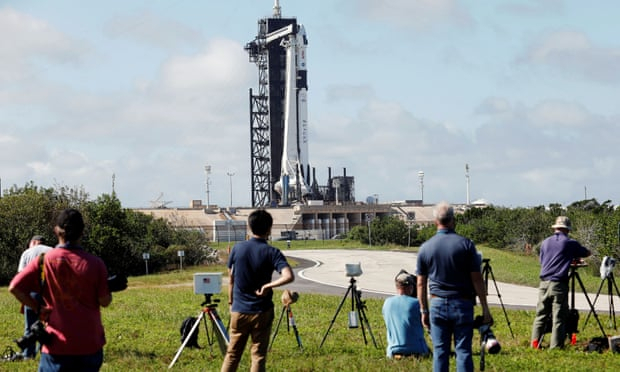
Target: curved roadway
323,271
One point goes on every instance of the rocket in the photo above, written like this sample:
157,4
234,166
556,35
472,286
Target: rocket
295,166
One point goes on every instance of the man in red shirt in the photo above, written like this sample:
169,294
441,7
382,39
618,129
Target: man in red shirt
72,292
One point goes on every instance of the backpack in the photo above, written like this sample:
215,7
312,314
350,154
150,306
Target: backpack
186,327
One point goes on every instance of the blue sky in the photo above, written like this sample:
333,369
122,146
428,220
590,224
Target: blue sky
525,92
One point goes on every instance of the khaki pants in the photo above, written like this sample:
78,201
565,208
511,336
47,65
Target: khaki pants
552,300
242,326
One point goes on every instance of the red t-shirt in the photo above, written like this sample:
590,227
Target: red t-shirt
74,282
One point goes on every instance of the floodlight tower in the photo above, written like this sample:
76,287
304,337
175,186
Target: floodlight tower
467,179
421,177
207,182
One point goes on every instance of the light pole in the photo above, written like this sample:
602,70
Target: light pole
421,177
230,176
410,218
369,235
207,171
228,223
467,178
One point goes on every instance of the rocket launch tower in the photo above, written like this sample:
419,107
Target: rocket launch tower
279,119
279,112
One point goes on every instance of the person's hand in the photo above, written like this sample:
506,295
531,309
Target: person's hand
426,321
44,312
487,318
263,291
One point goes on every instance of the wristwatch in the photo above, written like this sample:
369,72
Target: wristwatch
424,311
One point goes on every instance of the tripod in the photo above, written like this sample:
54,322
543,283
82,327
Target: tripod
218,330
291,323
572,276
611,283
486,270
356,303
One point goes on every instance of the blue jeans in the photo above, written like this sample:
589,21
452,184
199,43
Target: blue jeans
30,316
452,317
70,363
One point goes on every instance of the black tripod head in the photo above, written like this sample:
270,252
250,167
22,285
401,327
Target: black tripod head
209,302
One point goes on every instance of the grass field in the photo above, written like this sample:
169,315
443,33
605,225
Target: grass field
142,328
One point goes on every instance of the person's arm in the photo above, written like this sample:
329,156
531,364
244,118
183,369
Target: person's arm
286,276
423,298
231,283
476,278
24,297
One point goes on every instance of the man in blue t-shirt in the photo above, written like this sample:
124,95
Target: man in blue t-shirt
557,252
250,265
405,335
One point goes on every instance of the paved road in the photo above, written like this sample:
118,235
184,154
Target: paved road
327,268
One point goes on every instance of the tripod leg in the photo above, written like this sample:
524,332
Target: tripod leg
344,298
594,303
585,293
219,330
613,281
291,322
178,354
483,343
499,296
275,332
362,315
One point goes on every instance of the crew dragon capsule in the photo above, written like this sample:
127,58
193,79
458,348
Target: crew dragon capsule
295,167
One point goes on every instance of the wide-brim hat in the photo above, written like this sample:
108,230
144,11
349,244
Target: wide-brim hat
562,222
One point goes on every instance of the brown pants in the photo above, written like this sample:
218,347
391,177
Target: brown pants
242,326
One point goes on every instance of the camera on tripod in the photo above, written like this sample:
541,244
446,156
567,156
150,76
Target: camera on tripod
607,267
578,262
36,333
488,340
353,270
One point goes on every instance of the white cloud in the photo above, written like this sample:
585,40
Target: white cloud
25,40
149,28
572,52
418,15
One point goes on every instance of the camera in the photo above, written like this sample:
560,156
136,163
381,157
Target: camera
353,270
488,340
607,267
578,262
36,333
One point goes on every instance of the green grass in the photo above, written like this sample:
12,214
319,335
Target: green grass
142,328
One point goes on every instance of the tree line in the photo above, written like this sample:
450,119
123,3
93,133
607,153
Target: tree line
119,236
596,225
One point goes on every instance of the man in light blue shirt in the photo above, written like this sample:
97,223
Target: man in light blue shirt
401,313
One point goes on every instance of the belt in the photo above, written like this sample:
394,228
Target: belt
454,297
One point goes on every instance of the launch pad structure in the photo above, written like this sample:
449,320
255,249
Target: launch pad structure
279,161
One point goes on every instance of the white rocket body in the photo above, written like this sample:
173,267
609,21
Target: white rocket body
295,147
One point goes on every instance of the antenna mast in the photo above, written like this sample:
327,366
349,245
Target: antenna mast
277,10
